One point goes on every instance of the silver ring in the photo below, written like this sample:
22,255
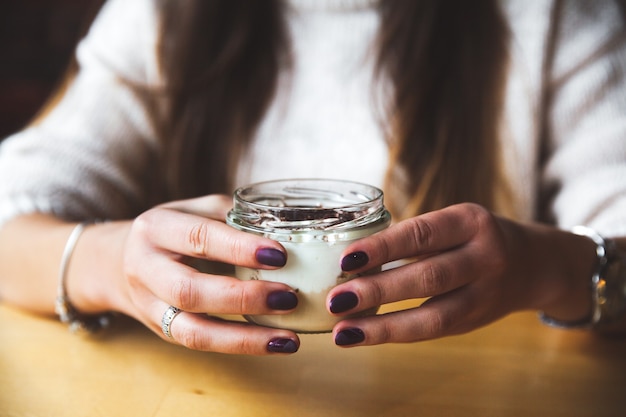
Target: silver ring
166,321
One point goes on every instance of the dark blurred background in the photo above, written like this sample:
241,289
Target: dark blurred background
37,40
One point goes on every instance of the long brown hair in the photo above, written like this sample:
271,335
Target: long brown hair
445,58
221,60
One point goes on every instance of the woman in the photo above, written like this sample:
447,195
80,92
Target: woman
493,127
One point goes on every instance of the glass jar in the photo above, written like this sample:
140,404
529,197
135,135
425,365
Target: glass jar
314,220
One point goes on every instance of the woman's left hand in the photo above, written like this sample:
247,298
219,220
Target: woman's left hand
473,267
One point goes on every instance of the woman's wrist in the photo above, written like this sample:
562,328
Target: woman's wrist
560,267
95,277
63,306
601,294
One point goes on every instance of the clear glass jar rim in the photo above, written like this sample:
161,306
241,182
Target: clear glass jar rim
306,204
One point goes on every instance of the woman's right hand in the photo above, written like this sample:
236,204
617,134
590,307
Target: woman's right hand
157,274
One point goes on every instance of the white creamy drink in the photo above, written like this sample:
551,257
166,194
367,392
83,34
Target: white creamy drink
314,220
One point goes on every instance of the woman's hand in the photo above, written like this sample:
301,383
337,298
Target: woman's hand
157,273
473,267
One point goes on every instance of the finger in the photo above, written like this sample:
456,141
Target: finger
428,277
426,234
450,314
182,286
204,333
199,237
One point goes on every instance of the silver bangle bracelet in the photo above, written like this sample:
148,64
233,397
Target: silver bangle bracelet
607,285
78,323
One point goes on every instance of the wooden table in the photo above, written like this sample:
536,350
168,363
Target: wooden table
515,367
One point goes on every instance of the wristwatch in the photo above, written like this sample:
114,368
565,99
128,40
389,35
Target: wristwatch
611,289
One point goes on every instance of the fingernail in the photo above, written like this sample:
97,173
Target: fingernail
350,336
354,261
271,257
282,346
343,302
282,300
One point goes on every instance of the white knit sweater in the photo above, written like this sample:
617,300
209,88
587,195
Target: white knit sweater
93,155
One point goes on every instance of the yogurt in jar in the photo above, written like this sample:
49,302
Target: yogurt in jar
314,220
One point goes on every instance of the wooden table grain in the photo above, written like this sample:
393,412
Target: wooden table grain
515,367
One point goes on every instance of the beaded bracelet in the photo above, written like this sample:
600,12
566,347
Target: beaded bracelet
608,286
78,323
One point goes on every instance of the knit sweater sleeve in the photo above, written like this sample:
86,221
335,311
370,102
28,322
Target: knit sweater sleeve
584,178
94,154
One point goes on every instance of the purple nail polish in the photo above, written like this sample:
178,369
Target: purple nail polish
282,346
343,302
354,261
282,300
271,257
349,336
